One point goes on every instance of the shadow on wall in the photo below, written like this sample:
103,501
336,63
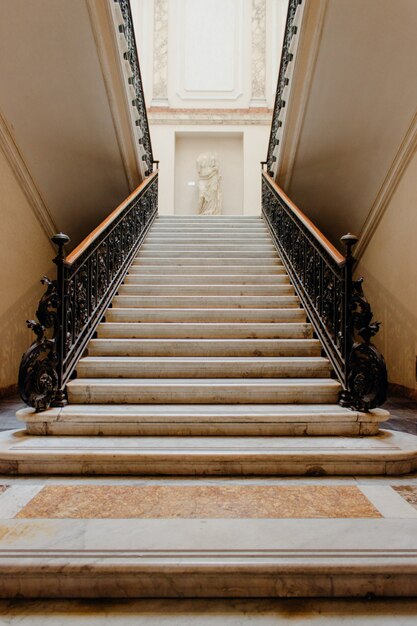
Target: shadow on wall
397,338
15,336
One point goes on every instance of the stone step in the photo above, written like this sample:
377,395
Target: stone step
174,264
206,391
207,254
206,290
218,246
205,315
198,231
203,330
390,453
143,268
210,219
202,238
204,347
203,367
206,279
208,301
183,420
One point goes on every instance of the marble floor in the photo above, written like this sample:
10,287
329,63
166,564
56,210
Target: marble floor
38,510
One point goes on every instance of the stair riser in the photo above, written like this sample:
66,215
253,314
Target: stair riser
161,429
190,394
219,348
206,238
205,331
149,271
206,254
205,315
201,370
206,266
178,279
210,247
198,302
208,263
206,290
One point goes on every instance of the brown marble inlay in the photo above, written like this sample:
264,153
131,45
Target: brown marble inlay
208,501
408,492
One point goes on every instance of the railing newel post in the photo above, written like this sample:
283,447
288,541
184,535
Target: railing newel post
349,241
60,240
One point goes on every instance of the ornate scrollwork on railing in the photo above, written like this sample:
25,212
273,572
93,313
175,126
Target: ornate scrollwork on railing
286,58
38,378
335,304
74,304
367,373
136,81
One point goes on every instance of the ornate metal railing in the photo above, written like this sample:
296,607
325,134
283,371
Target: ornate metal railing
74,303
334,302
286,58
135,80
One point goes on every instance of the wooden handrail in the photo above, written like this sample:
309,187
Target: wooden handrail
73,256
324,242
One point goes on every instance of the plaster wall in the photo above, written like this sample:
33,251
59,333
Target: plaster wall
229,150
25,256
389,267
254,140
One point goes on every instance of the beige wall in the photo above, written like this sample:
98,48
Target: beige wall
25,256
255,141
389,267
229,149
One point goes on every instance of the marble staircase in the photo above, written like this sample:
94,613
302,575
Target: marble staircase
206,325
205,364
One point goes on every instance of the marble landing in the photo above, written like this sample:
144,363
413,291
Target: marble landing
66,538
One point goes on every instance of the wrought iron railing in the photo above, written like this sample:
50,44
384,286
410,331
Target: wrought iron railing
286,58
135,80
74,303
334,302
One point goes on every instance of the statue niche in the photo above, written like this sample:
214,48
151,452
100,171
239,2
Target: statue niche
209,184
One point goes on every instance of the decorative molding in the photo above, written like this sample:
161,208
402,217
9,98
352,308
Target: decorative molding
233,91
252,117
108,44
389,185
160,53
309,38
27,184
258,62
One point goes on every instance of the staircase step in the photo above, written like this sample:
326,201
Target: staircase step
203,367
184,420
204,347
218,246
206,290
208,301
144,269
205,315
207,238
206,391
207,265
201,330
207,254
206,279
390,453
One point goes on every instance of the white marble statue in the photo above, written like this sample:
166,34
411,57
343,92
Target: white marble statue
209,184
